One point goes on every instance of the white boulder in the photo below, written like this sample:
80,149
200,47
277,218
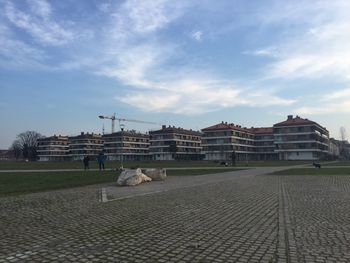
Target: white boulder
130,177
156,174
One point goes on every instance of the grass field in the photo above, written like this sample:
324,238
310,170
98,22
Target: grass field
13,165
314,171
21,182
338,163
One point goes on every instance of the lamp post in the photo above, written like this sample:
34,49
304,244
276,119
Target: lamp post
122,126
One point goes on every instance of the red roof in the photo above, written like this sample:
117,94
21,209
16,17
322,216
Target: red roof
231,126
294,121
173,129
226,126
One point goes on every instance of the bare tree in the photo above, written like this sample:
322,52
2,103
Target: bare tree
342,133
25,145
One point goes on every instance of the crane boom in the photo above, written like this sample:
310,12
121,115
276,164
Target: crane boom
131,120
113,118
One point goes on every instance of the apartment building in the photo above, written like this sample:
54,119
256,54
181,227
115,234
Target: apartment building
171,143
53,148
6,155
126,145
293,139
222,140
264,149
88,144
300,139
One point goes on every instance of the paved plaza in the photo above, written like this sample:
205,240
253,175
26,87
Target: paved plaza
241,216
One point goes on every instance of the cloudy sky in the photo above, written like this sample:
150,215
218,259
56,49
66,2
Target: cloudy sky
188,63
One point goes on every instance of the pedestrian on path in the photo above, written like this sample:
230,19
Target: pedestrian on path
101,158
86,161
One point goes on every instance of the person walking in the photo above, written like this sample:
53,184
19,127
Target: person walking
86,161
101,158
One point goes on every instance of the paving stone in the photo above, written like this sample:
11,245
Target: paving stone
236,218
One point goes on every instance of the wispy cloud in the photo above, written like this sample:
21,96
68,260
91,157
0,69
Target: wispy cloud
332,102
15,53
136,18
38,23
318,48
196,96
197,35
343,94
156,87
131,46
342,107
268,52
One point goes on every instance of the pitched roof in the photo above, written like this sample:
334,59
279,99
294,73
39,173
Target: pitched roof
125,133
83,135
226,126
173,129
294,121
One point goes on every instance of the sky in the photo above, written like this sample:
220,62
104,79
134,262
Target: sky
187,63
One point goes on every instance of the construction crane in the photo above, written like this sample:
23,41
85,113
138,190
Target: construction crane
113,118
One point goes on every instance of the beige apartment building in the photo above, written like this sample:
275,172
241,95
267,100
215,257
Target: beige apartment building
85,144
223,140
264,149
301,139
293,139
127,145
171,143
53,148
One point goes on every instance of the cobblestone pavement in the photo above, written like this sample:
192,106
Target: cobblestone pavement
317,209
246,218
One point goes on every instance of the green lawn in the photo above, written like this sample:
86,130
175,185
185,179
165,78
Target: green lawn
28,182
338,163
314,171
20,165
21,183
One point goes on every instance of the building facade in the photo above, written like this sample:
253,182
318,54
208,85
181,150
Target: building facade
85,144
126,145
54,148
264,147
293,139
300,139
6,155
172,143
222,141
